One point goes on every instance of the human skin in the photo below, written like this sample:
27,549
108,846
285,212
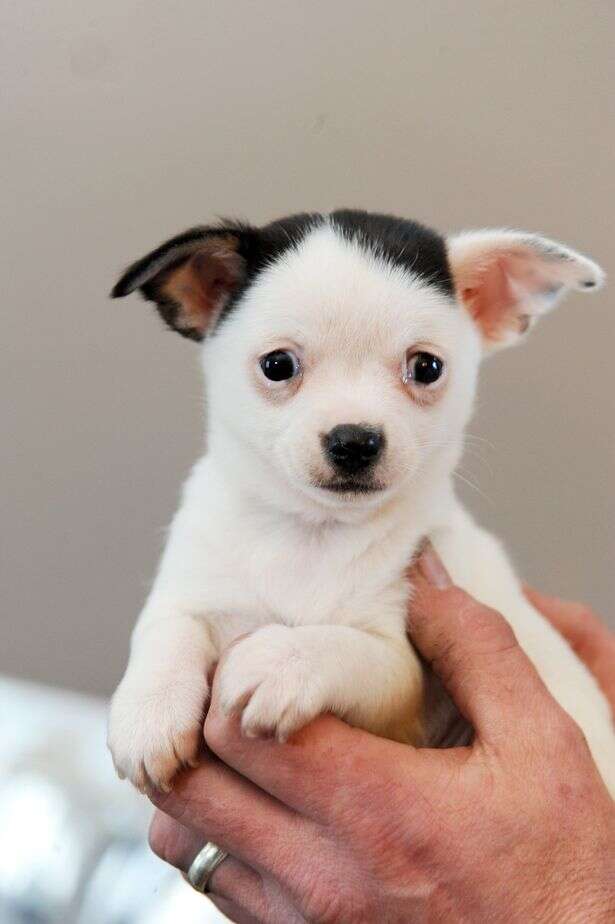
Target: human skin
337,825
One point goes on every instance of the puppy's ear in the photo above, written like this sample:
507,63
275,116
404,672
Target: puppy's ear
507,279
191,277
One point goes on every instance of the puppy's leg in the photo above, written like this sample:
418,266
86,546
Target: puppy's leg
280,678
478,563
156,717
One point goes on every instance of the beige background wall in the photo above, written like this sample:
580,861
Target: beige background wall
125,121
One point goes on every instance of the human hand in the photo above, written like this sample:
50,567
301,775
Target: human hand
593,642
337,825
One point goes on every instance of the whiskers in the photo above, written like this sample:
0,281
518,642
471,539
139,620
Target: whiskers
457,473
475,448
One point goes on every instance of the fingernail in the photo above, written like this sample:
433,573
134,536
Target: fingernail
430,566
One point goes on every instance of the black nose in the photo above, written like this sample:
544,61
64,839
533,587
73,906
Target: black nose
351,448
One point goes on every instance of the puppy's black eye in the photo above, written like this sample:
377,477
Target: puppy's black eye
423,368
280,365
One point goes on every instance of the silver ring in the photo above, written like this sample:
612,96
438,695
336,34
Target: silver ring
202,867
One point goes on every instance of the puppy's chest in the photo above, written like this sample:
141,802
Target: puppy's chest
298,578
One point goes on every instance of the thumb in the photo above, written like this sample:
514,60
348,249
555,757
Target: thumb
473,650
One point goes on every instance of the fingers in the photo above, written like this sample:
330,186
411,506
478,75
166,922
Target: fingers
592,641
474,651
172,842
328,772
236,882
232,881
306,772
216,804
260,898
232,911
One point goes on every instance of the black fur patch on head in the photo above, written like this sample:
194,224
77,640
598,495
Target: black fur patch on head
250,250
401,241
260,247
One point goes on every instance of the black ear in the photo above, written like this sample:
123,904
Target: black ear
191,277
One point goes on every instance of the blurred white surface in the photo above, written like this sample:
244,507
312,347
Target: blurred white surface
73,844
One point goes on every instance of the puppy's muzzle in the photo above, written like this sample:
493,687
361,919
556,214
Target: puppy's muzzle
352,449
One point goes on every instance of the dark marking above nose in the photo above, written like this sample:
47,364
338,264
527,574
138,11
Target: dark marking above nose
353,448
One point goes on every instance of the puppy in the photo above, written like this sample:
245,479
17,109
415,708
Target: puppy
340,355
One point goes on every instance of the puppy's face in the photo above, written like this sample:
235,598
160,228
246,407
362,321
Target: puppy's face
342,370
342,351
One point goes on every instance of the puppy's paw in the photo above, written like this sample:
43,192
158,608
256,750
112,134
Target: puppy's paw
272,683
156,727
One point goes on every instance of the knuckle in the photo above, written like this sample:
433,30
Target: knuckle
488,629
333,905
454,599
158,838
217,731
476,617
570,736
470,631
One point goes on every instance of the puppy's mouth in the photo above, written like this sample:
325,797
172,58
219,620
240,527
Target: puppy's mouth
350,486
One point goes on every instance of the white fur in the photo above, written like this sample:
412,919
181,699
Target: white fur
317,578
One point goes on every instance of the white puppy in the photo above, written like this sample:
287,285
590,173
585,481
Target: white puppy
340,356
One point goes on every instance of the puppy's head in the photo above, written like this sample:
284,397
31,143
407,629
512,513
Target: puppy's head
341,351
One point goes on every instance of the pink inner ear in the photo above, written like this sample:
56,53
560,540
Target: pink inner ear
507,289
506,279
200,285
213,277
492,302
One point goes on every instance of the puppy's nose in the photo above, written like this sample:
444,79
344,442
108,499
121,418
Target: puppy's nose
351,448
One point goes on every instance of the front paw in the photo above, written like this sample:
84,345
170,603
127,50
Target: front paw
155,727
272,683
